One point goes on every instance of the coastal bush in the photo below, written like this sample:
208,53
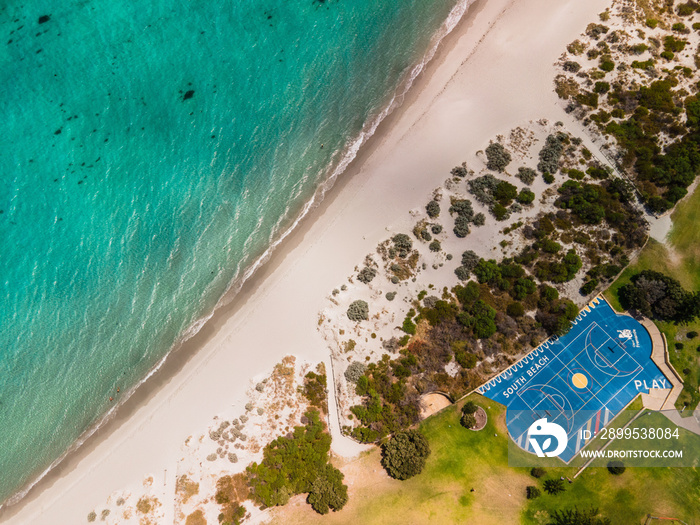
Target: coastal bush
526,175
435,246
497,156
328,491
436,228
576,47
358,311
92,516
482,188
571,66
470,260
425,235
652,23
673,44
292,463
479,219
500,212
463,208
687,9
606,64
404,455
390,296
679,27
408,325
465,359
668,55
314,390
505,192
467,421
402,244
616,467
515,309
551,153
433,209
460,171
638,49
461,228
588,287
588,98
367,274
532,492
575,517
601,87
525,196
462,273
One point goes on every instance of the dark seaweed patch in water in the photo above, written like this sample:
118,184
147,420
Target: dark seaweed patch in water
188,94
44,18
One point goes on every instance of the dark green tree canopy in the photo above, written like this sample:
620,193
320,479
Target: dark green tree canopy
404,455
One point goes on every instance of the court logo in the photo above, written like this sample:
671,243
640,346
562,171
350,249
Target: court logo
544,429
624,334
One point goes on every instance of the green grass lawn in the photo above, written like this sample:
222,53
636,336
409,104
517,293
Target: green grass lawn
681,260
462,460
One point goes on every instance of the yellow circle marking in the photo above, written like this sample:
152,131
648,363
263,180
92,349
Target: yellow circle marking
579,380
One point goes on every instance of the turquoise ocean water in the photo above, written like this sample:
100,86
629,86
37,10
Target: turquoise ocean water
150,154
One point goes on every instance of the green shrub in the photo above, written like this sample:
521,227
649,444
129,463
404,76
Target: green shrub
525,196
390,296
465,359
435,246
482,188
652,23
588,287
515,309
606,64
601,87
668,55
532,492
638,49
537,472
500,212
676,45
497,156
692,334
433,209
576,47
526,175
576,174
404,455
463,208
504,193
436,228
587,98
646,64
479,219
679,27
358,311
460,171
687,8
408,325
616,467
595,31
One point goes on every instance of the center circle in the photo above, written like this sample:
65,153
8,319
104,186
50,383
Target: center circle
579,380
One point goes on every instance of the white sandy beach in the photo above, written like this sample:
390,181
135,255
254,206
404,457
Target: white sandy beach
494,73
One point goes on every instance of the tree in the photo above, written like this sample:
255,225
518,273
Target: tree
537,472
328,491
660,297
578,517
404,455
468,421
470,407
553,486
616,467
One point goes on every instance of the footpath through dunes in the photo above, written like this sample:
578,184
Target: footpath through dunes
497,71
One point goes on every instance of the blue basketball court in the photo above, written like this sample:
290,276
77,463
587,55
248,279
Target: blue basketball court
579,381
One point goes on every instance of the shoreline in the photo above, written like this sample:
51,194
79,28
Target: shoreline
243,288
145,408
349,157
